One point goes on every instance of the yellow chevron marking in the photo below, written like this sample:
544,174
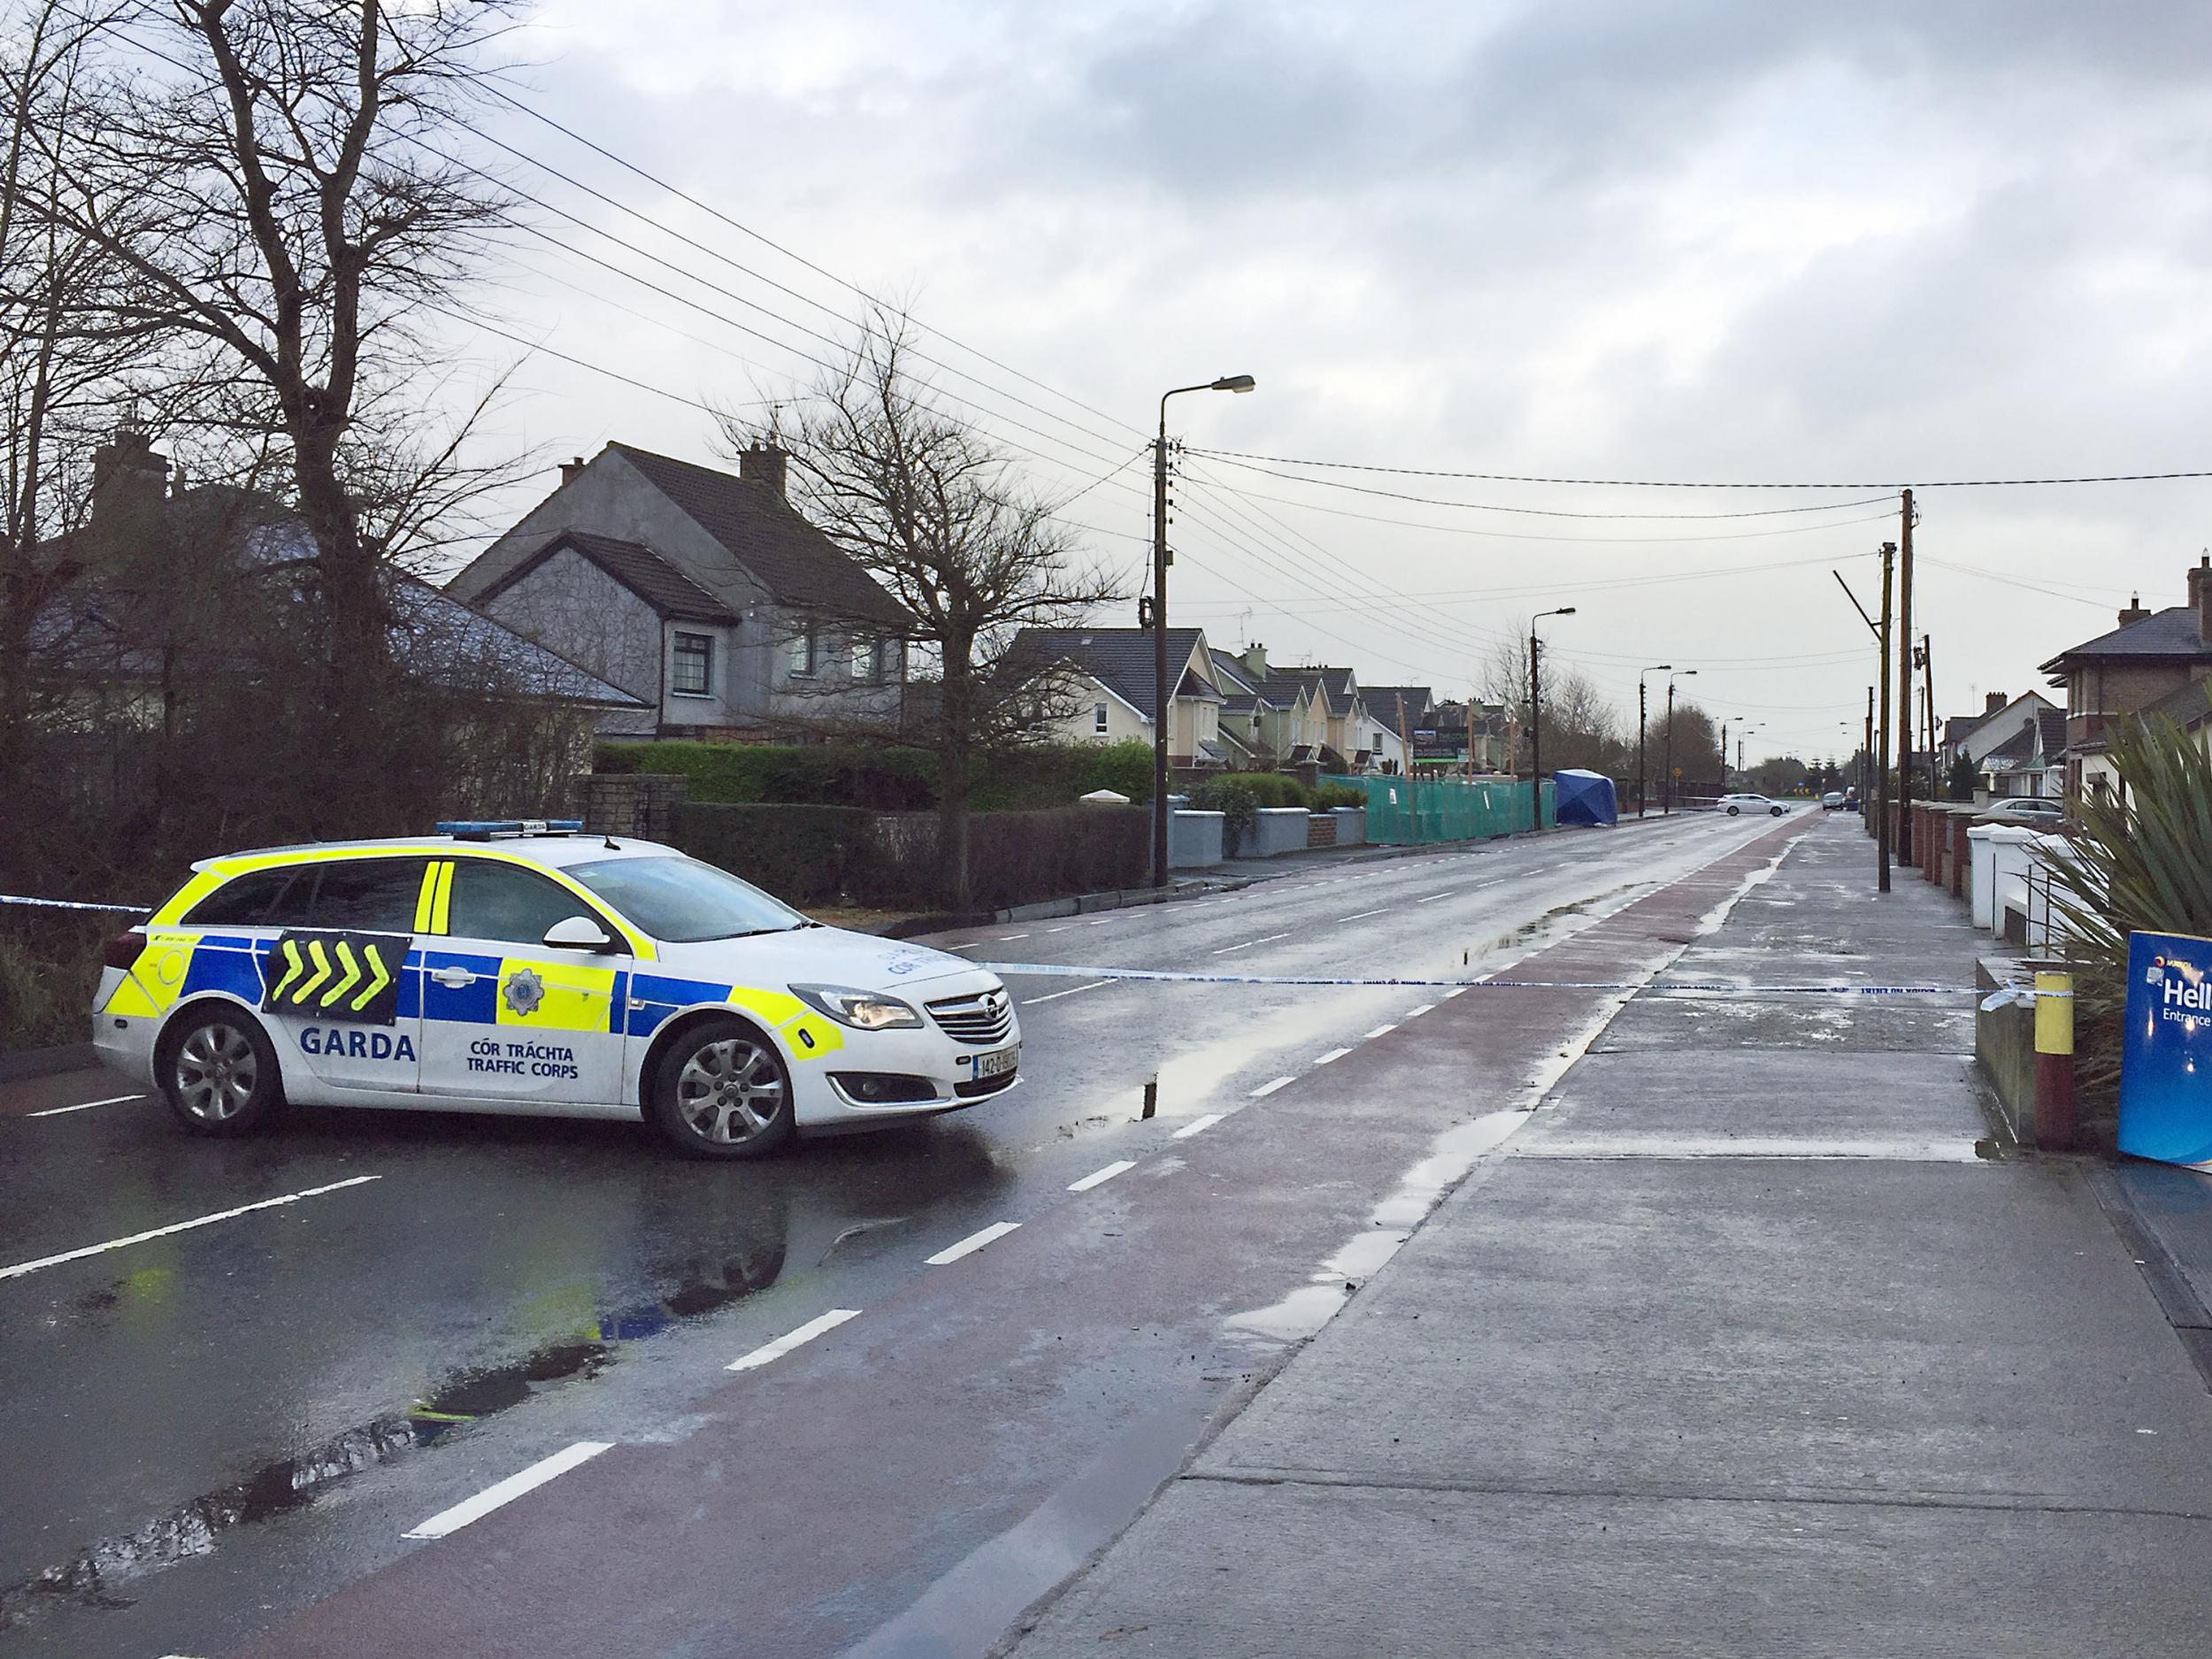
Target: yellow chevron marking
322,973
294,968
352,974
380,977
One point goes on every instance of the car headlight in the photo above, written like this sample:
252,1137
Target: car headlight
864,1010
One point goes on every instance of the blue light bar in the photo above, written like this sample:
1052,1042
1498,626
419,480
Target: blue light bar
484,829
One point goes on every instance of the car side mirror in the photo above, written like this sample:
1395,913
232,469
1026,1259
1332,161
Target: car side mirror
578,933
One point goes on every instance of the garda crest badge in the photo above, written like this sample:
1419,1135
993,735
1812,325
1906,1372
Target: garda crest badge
523,991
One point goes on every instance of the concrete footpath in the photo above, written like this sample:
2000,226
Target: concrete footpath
1752,1342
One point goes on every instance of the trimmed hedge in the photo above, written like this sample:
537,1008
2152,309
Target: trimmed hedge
882,777
1332,795
817,854
803,854
1273,788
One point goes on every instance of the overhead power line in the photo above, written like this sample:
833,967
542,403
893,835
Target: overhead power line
1672,483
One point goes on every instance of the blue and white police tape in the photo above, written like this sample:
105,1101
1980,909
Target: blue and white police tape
1054,970
74,904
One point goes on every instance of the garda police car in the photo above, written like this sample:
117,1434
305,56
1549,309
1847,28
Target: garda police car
524,967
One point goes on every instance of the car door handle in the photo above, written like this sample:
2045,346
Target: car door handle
454,977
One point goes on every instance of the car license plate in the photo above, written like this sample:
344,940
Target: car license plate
997,1064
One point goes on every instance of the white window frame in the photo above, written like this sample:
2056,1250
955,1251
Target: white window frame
867,659
1099,718
676,656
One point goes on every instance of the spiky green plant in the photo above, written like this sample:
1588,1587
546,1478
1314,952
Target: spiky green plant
2139,859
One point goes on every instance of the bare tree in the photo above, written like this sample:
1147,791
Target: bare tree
280,195
1581,728
934,512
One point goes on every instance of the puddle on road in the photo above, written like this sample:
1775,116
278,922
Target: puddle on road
95,1575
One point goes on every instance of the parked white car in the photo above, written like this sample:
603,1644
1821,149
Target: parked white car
531,969
1736,804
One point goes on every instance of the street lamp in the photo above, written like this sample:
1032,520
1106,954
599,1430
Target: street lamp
1666,784
1162,708
1536,718
1657,668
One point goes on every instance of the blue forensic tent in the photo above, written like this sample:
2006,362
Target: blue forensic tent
1583,797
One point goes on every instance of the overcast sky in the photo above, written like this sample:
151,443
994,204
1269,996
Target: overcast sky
1734,241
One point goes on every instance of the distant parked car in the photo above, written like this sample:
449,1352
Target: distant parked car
1831,800
2027,806
1733,804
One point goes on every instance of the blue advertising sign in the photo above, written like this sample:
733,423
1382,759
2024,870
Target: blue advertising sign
2166,1056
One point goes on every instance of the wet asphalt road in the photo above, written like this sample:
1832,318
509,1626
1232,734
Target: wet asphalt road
203,1434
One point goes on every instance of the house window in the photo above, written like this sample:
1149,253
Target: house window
866,658
691,672
803,656
1378,740
1098,718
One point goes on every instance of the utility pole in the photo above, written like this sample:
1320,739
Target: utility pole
1904,686
1666,782
1866,755
1724,758
1927,707
1881,752
1535,732
1657,668
1405,739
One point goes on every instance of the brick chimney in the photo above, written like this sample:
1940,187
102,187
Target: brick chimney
1993,701
128,476
764,463
2200,597
2134,614
571,468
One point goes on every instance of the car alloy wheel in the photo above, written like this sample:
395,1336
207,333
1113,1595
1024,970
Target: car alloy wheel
220,1074
724,1092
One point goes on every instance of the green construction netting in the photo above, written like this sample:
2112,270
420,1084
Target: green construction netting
1410,811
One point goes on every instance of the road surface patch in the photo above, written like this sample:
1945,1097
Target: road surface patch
1099,1177
789,1340
21,1267
973,1242
507,1491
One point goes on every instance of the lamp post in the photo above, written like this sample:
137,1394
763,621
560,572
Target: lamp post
1536,716
1162,708
1657,668
1666,784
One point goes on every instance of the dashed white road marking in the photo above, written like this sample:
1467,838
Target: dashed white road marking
1379,1031
973,1242
1457,990
1270,1085
1059,930
1418,1008
1099,1177
1363,914
1435,896
1198,1125
790,1339
1101,922
1332,1054
83,1106
507,1491
1231,950
21,1267
1008,939
1054,996
973,944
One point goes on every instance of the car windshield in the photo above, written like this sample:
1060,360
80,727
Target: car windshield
683,900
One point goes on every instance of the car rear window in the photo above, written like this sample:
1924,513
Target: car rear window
251,901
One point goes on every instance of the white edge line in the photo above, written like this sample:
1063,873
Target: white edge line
1054,996
1270,1087
83,1106
790,1339
508,1490
974,1242
21,1267
1099,1177
1197,1125
1332,1054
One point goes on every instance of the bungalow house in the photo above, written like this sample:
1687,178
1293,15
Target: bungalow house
1104,692
2031,762
2150,656
705,596
2006,725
